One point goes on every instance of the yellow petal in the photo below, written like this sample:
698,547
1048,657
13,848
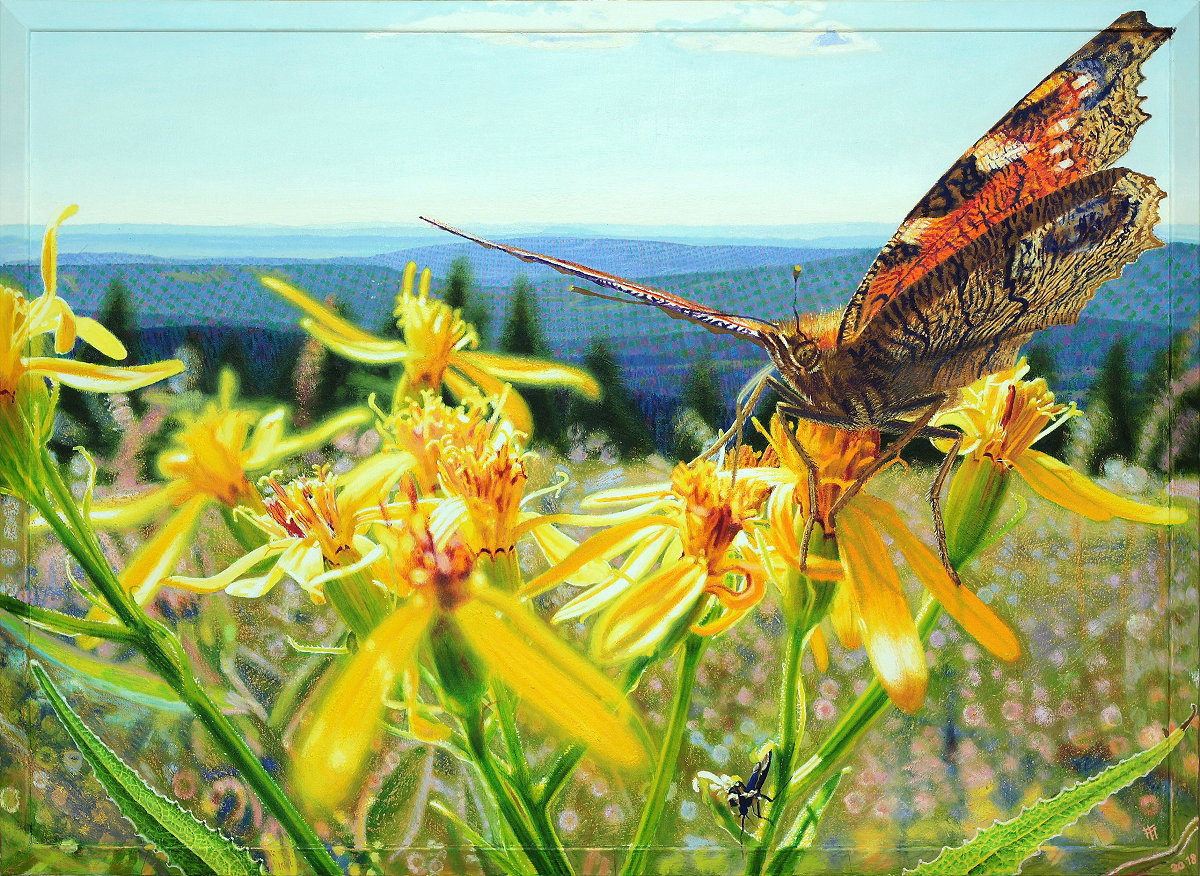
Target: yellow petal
103,378
959,601
888,630
1062,485
66,332
627,495
551,678
601,546
335,746
139,509
266,457
50,250
373,352
820,650
326,317
465,380
230,575
605,588
843,614
96,335
534,372
556,546
368,483
267,433
649,612
157,557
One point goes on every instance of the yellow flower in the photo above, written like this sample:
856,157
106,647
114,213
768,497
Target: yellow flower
22,322
1001,416
869,607
438,350
683,541
452,622
314,528
471,463
219,447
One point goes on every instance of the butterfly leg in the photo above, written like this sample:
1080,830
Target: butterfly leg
744,412
914,429
814,476
935,503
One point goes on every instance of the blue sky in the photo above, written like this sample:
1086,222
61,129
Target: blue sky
315,114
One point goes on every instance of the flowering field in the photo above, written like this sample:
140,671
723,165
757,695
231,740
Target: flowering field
407,638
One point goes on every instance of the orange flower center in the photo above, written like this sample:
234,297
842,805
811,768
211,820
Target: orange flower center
840,457
308,508
414,563
714,512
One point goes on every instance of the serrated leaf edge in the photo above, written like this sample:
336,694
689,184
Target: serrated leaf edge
52,692
1177,733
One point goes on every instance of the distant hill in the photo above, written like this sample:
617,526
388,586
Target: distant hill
1154,298
625,258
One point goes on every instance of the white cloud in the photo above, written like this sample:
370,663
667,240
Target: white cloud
761,28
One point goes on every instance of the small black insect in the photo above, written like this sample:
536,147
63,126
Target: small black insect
746,796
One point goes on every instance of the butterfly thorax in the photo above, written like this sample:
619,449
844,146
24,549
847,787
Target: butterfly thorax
826,383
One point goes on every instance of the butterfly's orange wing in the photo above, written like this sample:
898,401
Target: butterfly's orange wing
968,315
712,319
1079,120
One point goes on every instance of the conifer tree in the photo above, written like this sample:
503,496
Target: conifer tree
616,413
522,336
460,293
702,415
1042,363
1109,407
1169,409
232,355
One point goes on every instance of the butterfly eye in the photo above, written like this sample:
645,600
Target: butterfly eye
804,351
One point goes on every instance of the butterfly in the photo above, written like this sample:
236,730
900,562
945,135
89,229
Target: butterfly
1015,237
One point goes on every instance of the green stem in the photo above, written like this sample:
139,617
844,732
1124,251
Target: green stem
564,765
522,784
791,729
857,721
165,654
303,836
667,766
516,819
358,602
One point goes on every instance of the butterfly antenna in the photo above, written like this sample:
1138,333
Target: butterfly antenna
796,269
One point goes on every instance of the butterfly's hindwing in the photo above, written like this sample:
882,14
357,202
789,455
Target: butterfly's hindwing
970,314
1078,120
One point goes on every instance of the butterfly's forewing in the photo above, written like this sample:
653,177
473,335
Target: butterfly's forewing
712,319
968,315
1080,119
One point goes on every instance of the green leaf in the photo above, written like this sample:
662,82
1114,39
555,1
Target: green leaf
64,624
1004,846
126,681
483,847
191,846
804,831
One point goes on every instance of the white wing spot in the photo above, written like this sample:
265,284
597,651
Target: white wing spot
911,232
